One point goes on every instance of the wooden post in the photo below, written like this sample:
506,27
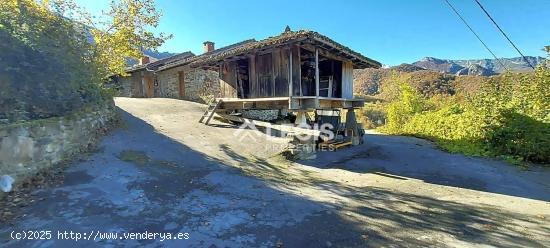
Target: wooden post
220,77
290,82
316,73
181,78
252,77
143,94
274,54
239,81
299,70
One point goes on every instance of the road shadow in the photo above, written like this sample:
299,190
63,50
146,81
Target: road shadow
409,157
384,216
142,180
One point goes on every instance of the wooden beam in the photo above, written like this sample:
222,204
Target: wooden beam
239,81
264,99
300,70
329,54
290,81
142,84
252,77
235,58
316,72
274,53
282,128
220,79
345,52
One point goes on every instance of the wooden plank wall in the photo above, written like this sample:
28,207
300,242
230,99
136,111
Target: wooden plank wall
252,77
347,80
264,72
269,72
296,70
228,79
280,72
269,75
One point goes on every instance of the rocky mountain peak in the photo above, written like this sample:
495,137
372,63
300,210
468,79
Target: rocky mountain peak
485,67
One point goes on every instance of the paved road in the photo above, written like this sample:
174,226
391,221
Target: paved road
163,172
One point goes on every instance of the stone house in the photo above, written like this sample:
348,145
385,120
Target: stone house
298,69
175,80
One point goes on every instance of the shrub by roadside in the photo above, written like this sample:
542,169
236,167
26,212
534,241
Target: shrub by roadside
508,116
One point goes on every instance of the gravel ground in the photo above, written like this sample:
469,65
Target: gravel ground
164,172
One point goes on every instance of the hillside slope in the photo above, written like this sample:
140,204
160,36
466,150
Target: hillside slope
480,67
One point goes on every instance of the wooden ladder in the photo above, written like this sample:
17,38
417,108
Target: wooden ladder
210,111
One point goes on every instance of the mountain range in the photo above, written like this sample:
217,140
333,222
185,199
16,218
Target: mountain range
151,53
158,55
433,73
478,67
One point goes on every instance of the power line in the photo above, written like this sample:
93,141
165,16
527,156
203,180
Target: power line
474,32
500,29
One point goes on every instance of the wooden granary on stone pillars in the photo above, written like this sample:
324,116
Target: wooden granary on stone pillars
301,72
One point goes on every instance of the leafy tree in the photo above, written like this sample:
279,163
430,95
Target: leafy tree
48,70
399,112
123,32
55,55
430,83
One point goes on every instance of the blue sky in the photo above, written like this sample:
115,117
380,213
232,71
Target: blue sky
390,31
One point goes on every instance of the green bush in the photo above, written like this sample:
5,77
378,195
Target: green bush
521,136
399,112
454,128
44,74
372,115
507,115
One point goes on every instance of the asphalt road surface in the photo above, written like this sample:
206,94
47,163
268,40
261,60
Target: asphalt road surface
207,186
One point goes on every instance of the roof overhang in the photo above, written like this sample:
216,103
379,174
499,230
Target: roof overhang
285,39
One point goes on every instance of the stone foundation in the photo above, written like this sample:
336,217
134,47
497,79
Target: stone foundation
264,115
29,147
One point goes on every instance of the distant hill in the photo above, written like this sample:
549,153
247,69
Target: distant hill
151,53
407,68
478,67
433,76
369,81
158,55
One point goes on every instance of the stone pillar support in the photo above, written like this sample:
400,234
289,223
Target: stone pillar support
301,119
352,127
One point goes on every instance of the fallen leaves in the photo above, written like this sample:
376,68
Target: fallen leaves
279,243
25,194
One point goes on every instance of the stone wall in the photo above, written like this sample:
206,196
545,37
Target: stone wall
29,147
168,83
200,85
131,86
125,88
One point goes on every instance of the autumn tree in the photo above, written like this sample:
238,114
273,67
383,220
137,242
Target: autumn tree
124,31
121,32
55,55
115,35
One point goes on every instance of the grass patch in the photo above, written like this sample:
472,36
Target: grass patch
136,157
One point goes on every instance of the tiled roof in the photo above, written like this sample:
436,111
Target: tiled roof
251,45
212,53
283,38
161,62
